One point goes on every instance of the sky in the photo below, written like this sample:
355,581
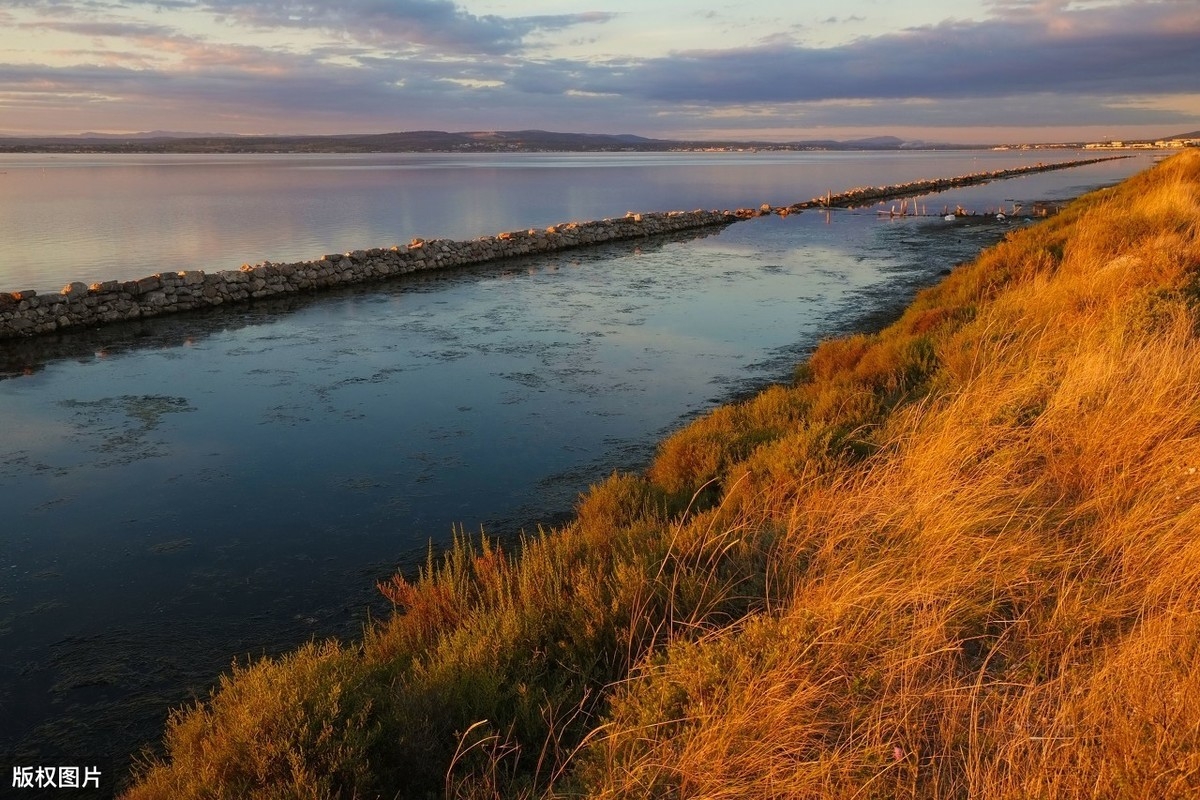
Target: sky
968,71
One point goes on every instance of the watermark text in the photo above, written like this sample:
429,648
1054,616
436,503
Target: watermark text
56,778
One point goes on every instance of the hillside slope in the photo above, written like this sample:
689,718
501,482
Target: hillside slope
956,558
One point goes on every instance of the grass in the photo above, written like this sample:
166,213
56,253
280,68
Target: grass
957,558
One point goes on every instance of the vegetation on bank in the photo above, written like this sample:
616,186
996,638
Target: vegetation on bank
956,558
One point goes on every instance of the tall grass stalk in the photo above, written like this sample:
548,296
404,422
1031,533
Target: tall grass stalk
957,558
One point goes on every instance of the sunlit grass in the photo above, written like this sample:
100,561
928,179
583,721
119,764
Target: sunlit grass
957,558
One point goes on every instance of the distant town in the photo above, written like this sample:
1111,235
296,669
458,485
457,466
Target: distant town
1160,144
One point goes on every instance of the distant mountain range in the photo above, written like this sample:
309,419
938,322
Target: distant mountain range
422,141
442,142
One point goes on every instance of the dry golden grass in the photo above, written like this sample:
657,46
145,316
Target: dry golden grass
1002,601
959,558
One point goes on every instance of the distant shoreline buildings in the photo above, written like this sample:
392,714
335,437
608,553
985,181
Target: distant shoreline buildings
1161,144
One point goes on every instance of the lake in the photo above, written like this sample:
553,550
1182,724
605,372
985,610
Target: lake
184,491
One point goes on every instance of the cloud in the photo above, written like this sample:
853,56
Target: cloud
429,23
435,24
1140,47
404,64
104,29
1043,110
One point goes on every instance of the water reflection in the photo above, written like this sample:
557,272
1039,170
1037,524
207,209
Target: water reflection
95,218
24,357
241,476
183,490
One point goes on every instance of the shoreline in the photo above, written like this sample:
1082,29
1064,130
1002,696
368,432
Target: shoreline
27,313
883,568
110,347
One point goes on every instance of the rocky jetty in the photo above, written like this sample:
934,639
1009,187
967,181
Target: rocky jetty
27,313
869,195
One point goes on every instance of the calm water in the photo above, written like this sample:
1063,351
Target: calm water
185,491
91,218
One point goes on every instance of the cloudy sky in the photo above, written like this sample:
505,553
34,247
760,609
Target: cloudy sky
963,71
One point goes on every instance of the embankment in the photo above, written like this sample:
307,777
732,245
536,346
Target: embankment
78,305
954,558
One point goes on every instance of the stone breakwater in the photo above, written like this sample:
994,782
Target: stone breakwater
869,195
28,313
78,305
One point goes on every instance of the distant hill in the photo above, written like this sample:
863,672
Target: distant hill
877,142
423,141
430,141
154,135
